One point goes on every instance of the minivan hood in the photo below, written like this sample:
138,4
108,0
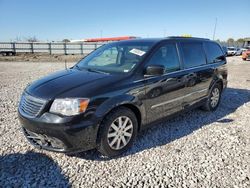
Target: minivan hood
60,82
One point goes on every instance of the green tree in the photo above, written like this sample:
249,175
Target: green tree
65,40
230,42
240,42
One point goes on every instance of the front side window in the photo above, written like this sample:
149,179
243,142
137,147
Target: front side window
167,56
118,57
193,54
214,52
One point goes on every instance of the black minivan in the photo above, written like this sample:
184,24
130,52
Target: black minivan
119,89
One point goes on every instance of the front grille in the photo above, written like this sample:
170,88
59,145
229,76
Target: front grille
31,106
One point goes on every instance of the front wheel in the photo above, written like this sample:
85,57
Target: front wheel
118,131
213,99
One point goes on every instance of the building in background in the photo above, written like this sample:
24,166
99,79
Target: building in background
246,42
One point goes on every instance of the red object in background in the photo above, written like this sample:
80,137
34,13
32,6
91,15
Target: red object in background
246,54
109,39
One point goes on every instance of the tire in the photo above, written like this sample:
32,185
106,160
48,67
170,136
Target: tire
115,137
244,59
214,97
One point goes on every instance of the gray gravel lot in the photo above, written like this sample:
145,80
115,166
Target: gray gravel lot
195,149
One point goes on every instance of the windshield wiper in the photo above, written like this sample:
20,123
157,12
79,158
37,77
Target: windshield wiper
77,67
97,71
91,70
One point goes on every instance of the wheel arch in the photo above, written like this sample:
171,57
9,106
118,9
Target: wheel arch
131,107
135,110
113,104
217,81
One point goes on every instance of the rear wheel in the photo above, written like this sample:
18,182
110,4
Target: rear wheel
117,132
213,99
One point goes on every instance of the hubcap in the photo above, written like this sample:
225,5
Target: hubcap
120,132
215,97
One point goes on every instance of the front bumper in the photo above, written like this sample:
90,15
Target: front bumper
61,134
231,53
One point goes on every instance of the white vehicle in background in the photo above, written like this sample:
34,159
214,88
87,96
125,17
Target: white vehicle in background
243,49
231,51
239,51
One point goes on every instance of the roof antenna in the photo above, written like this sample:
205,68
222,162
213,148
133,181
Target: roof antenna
65,63
215,25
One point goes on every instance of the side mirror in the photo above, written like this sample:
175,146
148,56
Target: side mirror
154,70
220,58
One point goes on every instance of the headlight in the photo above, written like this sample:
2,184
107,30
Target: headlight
69,106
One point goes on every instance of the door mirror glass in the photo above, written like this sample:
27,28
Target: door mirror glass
154,70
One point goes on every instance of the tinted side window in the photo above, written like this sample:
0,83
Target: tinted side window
213,51
193,54
166,55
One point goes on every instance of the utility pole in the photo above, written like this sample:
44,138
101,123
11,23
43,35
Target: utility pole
101,33
215,25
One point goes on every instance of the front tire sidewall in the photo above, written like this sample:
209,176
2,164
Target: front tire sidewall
103,146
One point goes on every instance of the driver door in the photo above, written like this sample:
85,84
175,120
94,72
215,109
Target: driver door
164,93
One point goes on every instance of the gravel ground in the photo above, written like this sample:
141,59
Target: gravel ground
195,149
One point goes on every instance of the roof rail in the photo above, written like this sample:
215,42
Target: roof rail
180,37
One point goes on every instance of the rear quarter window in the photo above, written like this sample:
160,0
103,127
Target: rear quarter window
213,51
193,54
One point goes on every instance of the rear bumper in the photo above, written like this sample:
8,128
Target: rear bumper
66,136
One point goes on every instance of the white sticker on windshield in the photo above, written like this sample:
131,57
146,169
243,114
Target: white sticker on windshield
137,52
126,70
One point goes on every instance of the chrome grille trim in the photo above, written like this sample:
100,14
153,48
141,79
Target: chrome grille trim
31,106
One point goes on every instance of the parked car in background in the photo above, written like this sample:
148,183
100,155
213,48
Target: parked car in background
246,54
7,53
231,51
120,89
224,48
239,51
243,49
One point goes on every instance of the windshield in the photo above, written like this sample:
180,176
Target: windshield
118,57
231,48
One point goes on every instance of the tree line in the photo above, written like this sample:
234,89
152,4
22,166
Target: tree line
232,42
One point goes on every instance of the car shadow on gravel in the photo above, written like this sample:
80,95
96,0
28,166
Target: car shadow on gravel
183,124
30,170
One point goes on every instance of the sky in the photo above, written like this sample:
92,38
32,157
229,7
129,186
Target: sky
55,20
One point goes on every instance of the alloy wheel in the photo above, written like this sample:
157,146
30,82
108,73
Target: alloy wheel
215,97
120,132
